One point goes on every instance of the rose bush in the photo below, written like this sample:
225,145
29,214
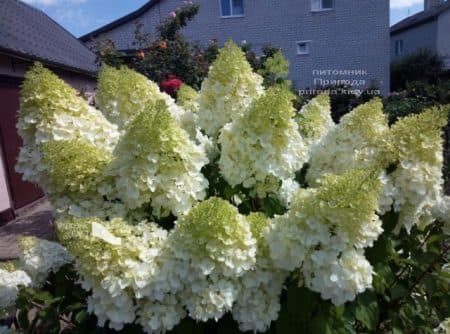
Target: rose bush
230,205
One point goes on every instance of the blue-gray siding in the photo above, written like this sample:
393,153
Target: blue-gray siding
352,36
419,37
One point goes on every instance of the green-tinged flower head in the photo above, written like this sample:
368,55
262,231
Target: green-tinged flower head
419,137
39,257
103,248
156,161
96,253
229,88
357,142
418,147
116,261
74,167
324,222
314,119
43,94
258,225
124,93
51,110
277,64
346,204
263,146
274,111
187,97
9,266
214,231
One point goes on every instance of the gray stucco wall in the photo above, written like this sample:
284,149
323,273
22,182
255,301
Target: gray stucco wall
420,37
443,39
352,36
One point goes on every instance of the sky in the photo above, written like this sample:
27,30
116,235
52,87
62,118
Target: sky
83,16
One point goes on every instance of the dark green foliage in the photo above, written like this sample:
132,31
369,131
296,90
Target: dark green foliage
170,28
423,66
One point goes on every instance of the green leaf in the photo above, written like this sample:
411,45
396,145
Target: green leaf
22,317
366,310
399,291
81,316
381,250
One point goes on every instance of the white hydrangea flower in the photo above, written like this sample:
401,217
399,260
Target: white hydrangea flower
287,191
444,327
9,287
418,177
217,244
337,277
314,120
258,301
441,211
117,261
156,162
228,90
357,142
159,317
123,94
40,257
116,308
263,146
51,110
324,229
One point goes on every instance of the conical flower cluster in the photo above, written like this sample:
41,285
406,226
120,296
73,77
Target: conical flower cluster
314,119
156,162
117,261
325,230
51,110
263,146
216,244
418,178
356,142
228,90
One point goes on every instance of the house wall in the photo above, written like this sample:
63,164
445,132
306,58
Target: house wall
349,37
420,37
5,201
443,38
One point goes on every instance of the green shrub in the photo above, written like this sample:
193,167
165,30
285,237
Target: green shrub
423,65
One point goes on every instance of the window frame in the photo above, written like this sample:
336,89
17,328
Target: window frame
231,10
321,8
308,47
398,47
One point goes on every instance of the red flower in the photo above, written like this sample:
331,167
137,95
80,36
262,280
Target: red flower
163,45
171,85
141,54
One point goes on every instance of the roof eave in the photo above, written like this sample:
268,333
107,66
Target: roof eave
395,31
32,58
119,21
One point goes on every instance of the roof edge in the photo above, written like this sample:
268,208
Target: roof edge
394,30
31,58
119,21
399,27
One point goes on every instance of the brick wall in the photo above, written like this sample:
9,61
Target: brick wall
352,36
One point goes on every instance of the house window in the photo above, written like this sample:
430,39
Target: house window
317,5
399,47
230,8
303,47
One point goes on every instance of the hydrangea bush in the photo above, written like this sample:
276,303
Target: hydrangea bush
232,205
